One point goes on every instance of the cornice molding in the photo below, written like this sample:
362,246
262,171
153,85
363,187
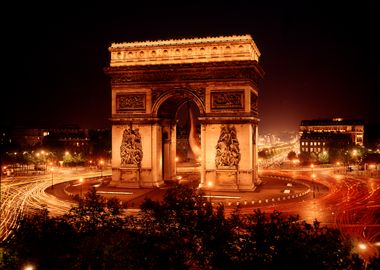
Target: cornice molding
180,51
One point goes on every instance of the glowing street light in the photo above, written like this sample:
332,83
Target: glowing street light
362,246
29,267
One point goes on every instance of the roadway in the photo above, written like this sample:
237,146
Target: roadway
348,202
25,194
352,204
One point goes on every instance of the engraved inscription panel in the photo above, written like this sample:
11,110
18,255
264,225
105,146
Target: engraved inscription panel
231,100
130,102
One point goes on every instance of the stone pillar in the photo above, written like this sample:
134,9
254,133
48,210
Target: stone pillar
132,174
204,142
155,177
173,151
218,166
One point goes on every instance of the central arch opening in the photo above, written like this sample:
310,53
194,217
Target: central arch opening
181,139
188,132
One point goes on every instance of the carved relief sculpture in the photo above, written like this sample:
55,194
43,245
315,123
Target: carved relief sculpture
227,100
227,149
131,149
130,102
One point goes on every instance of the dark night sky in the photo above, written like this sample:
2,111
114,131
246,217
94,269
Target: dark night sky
321,59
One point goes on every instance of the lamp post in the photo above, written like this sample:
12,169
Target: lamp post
101,168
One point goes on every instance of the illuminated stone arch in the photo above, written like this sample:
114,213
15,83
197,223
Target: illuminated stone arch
149,82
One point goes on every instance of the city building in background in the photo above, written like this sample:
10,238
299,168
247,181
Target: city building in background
353,128
35,148
329,140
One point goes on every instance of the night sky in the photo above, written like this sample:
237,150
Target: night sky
321,59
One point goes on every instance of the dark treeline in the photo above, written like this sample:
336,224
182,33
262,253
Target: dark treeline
182,232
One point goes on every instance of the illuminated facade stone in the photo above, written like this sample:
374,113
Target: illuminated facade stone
151,80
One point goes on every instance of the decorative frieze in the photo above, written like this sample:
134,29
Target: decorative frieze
130,102
198,72
230,100
195,50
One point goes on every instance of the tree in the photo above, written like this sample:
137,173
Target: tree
183,231
46,242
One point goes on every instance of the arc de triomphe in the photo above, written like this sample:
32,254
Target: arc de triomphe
215,80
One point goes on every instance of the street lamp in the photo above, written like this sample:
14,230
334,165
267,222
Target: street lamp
101,168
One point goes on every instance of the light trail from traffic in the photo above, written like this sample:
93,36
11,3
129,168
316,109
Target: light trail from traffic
351,205
25,194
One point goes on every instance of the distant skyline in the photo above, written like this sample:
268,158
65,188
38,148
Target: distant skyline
321,60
